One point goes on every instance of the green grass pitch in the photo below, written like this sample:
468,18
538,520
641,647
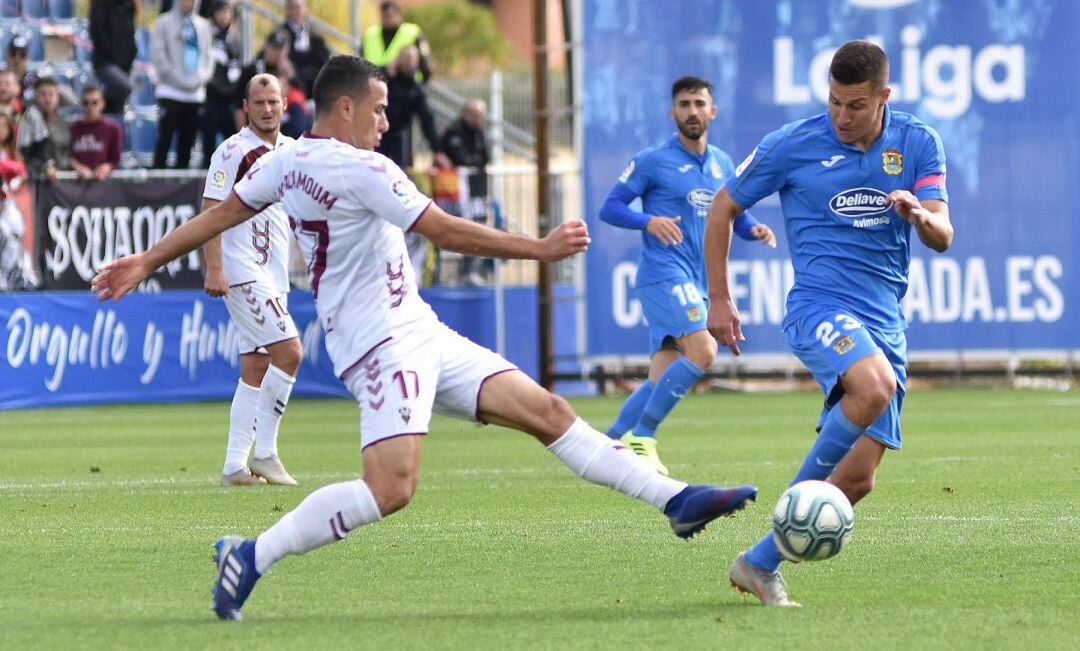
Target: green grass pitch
971,540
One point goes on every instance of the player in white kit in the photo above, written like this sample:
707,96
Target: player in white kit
248,265
351,207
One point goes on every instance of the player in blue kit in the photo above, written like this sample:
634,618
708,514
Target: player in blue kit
853,183
676,181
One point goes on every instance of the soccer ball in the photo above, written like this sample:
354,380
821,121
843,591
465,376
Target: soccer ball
812,521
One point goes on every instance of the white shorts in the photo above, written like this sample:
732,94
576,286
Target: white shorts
400,383
261,315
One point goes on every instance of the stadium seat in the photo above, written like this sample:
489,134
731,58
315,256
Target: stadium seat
9,9
142,91
35,9
35,43
61,10
83,46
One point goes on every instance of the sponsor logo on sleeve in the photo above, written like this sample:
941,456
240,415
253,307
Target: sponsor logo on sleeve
625,176
217,180
403,190
746,161
892,161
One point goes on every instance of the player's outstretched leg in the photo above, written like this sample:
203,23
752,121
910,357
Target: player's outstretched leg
514,400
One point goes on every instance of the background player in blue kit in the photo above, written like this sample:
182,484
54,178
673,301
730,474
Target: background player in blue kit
853,183
676,181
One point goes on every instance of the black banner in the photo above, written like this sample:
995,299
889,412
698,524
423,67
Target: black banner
82,225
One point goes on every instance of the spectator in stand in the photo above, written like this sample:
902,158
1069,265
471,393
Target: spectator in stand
112,31
44,137
307,49
18,54
16,263
180,49
464,144
405,100
297,118
10,101
96,140
383,43
273,60
218,117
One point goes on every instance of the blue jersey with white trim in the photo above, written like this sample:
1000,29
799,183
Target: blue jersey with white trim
673,182
847,247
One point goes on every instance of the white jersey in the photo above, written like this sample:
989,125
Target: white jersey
258,248
349,209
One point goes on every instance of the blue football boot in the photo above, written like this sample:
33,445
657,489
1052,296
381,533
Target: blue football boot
697,506
236,576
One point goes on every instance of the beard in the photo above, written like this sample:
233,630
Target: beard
693,131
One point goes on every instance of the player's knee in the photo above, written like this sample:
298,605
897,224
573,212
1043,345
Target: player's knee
558,410
700,348
393,493
855,486
874,386
287,355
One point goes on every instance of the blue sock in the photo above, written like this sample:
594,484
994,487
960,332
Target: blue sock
837,436
631,410
672,386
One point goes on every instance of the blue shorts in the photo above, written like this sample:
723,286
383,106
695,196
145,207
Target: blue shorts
829,340
673,308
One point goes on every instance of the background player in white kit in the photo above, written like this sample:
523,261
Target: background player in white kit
248,265
351,207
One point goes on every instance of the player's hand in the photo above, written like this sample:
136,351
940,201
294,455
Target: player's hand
665,229
765,235
907,206
119,277
723,323
564,240
215,283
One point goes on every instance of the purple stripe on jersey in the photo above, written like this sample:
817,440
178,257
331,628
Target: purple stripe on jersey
321,230
348,370
392,436
480,388
248,160
422,213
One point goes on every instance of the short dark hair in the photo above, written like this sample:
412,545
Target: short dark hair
690,83
91,88
860,61
46,81
344,74
387,4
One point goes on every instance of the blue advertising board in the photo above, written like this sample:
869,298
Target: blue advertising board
997,80
66,348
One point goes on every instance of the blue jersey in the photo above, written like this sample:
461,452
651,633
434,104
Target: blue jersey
848,248
673,182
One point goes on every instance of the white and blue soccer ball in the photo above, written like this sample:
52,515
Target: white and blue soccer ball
812,521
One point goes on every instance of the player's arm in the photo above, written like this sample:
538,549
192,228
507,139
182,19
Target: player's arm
466,236
750,229
119,277
723,321
616,211
930,218
215,283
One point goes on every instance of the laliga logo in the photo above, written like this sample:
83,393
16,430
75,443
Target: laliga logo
946,74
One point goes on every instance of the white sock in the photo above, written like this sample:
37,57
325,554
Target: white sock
273,396
603,461
323,517
241,424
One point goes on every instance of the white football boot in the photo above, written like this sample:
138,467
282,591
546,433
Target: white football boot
767,586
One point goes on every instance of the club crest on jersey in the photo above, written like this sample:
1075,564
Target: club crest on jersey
742,165
693,314
892,161
843,345
625,176
716,172
217,180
